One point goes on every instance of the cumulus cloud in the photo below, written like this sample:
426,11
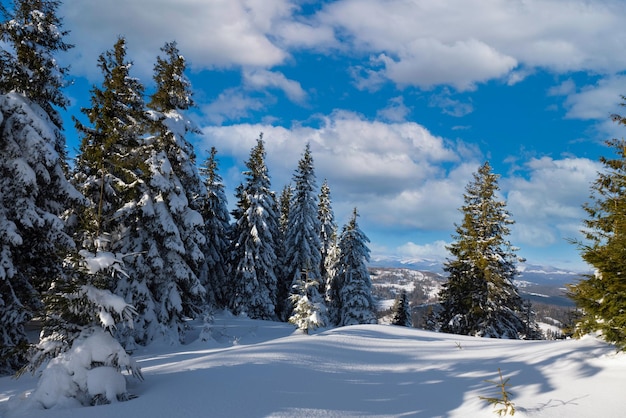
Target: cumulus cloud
596,101
461,43
231,105
392,171
462,64
546,198
214,34
450,106
262,79
432,251
396,110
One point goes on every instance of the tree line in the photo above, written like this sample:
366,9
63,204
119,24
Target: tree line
136,204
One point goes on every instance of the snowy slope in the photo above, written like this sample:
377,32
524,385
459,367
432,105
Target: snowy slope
266,369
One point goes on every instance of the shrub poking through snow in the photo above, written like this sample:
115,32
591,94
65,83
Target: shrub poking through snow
309,309
503,402
80,361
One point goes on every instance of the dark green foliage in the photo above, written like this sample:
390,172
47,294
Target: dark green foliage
502,402
283,272
479,297
254,239
401,310
33,31
173,88
216,229
601,297
110,158
302,235
328,229
351,287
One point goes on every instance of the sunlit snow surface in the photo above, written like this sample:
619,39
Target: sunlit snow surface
265,369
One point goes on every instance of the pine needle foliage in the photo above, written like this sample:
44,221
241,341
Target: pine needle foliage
33,32
480,297
253,246
502,402
401,310
601,297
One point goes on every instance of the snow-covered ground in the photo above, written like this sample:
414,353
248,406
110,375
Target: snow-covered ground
266,369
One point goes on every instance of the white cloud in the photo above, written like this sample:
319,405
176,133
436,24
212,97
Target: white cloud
391,171
449,105
432,251
546,201
231,105
261,79
461,42
217,33
462,64
597,101
396,110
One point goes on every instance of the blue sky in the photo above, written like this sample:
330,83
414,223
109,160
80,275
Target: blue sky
400,100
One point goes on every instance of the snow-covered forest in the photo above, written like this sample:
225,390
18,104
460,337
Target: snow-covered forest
131,249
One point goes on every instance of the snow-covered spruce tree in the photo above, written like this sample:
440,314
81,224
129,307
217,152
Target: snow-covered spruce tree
480,297
600,297
169,245
331,294
283,273
217,230
302,237
79,359
328,228
33,194
110,171
329,252
34,190
352,279
309,309
401,310
253,244
33,32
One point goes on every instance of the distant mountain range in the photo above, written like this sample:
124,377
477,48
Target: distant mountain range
544,284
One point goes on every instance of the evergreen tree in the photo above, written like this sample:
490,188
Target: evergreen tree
283,272
216,229
172,234
80,321
110,171
253,247
352,280
328,228
302,237
33,32
601,297
309,310
34,190
401,310
480,297
33,195
331,296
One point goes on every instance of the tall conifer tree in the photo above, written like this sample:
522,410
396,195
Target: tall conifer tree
480,297
328,234
601,297
34,190
253,247
283,272
217,230
302,237
172,236
401,310
34,32
110,171
352,281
